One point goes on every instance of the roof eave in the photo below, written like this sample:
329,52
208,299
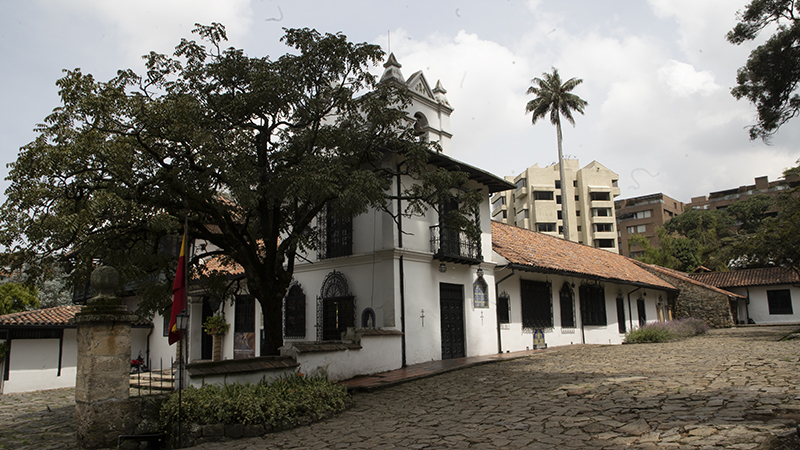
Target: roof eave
526,268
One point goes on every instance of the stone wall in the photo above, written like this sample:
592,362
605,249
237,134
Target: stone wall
698,301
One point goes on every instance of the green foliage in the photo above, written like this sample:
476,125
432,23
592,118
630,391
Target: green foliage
216,325
673,252
747,234
49,279
16,297
277,404
770,77
248,150
749,214
666,331
554,98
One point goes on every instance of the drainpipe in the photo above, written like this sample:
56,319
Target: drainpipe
747,306
496,311
147,351
402,273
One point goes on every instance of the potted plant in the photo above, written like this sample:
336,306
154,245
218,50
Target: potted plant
216,326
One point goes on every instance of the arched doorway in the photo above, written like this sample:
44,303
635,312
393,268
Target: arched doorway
335,308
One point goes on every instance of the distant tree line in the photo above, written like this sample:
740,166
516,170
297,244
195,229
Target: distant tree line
761,231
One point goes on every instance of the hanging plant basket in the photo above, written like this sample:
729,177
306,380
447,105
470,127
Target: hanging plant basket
216,325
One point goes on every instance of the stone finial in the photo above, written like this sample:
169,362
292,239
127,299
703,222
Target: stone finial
439,93
392,72
105,280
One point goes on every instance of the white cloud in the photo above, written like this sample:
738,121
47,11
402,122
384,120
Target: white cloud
140,26
683,80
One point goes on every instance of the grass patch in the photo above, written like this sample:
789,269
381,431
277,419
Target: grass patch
666,331
281,401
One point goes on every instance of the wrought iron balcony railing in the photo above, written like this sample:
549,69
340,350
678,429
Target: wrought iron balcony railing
453,245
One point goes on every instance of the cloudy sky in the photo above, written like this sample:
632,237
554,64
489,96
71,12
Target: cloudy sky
657,74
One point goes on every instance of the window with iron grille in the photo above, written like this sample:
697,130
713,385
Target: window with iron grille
567,303
780,301
537,305
336,234
245,314
593,304
503,311
621,315
294,313
543,195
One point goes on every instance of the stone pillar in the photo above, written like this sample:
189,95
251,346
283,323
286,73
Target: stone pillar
102,388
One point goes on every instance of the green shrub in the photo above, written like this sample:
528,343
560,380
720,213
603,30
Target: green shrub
647,334
666,331
276,403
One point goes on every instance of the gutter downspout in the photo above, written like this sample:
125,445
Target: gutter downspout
402,272
147,351
497,312
747,305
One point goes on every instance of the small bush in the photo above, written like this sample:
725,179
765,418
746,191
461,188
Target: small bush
283,400
666,331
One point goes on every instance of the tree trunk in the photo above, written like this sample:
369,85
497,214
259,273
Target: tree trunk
562,175
272,307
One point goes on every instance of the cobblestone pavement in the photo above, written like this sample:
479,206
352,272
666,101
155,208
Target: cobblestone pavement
729,389
38,420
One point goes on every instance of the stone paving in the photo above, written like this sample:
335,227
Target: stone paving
38,420
729,389
732,388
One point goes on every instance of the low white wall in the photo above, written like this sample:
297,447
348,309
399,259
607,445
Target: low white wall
239,377
33,364
759,305
377,354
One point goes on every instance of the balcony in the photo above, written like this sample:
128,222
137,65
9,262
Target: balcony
453,245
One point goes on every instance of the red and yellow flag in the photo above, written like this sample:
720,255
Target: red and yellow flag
178,294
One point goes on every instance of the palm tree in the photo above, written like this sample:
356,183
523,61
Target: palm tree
555,99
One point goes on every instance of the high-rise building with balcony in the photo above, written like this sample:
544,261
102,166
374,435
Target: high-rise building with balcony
536,203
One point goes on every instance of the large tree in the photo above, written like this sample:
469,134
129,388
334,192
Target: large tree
247,150
555,99
17,297
761,231
770,77
775,239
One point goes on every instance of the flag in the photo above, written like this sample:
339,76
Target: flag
178,294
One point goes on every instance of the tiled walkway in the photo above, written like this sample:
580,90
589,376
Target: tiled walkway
414,372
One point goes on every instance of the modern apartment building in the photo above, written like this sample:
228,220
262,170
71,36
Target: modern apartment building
536,203
642,215
721,199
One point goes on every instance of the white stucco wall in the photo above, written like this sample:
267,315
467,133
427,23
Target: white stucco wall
33,364
377,354
513,337
758,307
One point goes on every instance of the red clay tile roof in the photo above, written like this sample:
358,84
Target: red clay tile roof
687,277
544,253
57,316
748,277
